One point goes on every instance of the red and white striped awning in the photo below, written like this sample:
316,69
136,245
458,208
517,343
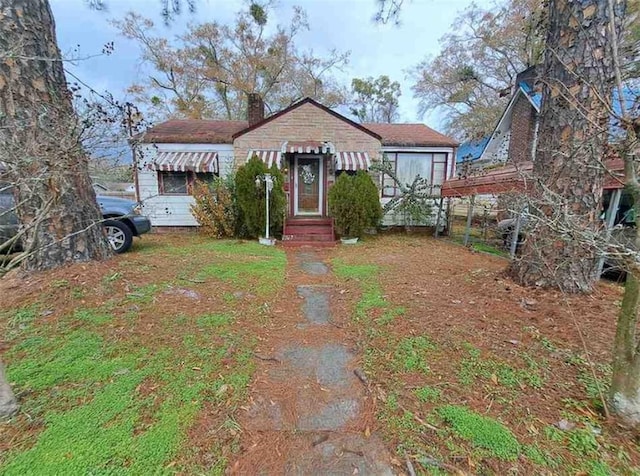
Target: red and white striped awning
269,157
308,147
187,161
352,161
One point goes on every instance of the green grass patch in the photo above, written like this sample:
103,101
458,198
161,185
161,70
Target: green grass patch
144,294
485,248
389,315
19,320
367,276
481,431
89,393
428,394
260,268
473,367
412,354
213,320
92,316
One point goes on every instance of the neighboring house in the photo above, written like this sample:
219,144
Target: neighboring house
508,155
470,152
311,143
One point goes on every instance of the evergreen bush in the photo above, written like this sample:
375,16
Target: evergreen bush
251,199
354,204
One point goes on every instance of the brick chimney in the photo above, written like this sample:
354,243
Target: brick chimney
523,120
255,108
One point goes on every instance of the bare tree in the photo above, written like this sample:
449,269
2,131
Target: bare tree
208,71
469,81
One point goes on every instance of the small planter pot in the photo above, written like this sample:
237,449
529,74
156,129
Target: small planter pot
348,241
267,241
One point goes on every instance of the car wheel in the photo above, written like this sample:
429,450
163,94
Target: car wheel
119,235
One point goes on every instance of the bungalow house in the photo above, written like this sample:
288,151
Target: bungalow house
311,143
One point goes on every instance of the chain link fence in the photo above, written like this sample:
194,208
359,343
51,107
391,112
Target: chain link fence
474,222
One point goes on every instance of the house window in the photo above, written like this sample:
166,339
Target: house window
181,183
439,170
389,186
206,177
174,183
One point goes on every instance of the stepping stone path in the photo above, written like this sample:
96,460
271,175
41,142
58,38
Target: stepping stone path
309,414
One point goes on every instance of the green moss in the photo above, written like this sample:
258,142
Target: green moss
481,431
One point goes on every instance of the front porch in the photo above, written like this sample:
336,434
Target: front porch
310,169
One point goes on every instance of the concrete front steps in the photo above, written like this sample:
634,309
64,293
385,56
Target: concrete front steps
308,232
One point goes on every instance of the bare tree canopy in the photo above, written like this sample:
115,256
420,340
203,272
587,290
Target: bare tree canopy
375,100
208,71
470,80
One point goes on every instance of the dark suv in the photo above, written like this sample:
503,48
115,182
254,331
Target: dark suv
122,220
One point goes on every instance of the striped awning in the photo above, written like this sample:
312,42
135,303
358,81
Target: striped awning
352,161
187,161
269,157
308,147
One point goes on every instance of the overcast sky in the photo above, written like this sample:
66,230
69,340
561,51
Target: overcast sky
342,24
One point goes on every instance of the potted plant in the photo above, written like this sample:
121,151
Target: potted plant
354,205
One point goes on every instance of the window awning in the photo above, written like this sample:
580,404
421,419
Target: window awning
308,147
269,157
352,161
187,161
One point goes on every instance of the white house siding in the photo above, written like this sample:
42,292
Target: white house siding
173,210
418,161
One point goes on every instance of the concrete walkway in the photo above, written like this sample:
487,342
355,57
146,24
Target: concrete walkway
308,412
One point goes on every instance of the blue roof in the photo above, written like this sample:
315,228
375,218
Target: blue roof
631,100
534,96
631,104
471,150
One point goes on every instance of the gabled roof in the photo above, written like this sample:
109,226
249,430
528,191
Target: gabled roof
192,131
296,106
504,124
410,135
534,97
472,150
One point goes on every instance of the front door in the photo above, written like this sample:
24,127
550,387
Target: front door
308,185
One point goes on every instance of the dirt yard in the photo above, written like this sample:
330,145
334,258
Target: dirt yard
396,355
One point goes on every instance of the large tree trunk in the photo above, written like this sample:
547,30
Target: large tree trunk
41,149
576,81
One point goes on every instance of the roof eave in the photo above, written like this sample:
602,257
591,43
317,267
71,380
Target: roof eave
296,105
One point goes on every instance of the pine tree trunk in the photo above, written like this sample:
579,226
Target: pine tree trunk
41,149
576,81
